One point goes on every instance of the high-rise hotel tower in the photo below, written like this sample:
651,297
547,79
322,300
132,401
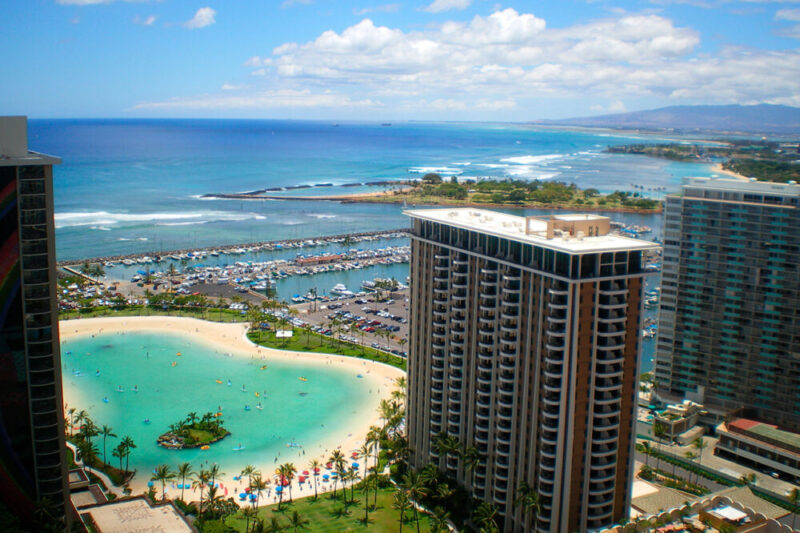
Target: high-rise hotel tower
729,322
32,465
525,341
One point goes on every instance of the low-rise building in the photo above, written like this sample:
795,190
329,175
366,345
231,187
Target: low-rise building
680,421
135,514
762,446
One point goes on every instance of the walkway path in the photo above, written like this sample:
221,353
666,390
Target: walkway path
106,480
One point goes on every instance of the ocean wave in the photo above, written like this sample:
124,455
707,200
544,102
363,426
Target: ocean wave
493,165
445,171
532,159
103,219
315,215
100,228
530,172
462,163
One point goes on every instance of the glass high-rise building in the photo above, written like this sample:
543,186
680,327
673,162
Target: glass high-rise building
729,320
525,337
32,463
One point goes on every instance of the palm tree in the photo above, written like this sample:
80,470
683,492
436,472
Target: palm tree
528,499
748,479
200,482
106,432
691,457
484,517
401,503
646,449
315,466
296,521
289,472
214,472
119,452
470,457
274,526
352,477
416,491
699,445
364,453
440,521
248,513
184,471
659,432
88,452
337,458
129,445
258,485
163,474
248,471
70,418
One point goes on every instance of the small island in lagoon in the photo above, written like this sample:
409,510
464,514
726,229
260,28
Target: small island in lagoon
194,432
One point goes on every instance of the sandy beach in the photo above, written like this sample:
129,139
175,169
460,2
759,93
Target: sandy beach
718,168
231,337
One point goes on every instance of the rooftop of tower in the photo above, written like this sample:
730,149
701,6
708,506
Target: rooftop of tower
14,145
573,233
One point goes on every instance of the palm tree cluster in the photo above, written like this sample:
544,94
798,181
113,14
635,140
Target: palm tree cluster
83,440
184,432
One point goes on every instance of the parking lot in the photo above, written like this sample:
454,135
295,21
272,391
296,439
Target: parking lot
362,320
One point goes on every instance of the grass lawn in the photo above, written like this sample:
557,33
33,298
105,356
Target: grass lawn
215,315
322,517
313,342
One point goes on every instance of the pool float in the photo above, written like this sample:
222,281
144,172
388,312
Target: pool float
105,400
218,414
219,381
174,363
97,373
229,383
258,394
135,388
146,421
264,367
246,407
178,354
205,447
301,378
238,448
259,406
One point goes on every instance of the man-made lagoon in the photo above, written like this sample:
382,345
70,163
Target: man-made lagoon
151,380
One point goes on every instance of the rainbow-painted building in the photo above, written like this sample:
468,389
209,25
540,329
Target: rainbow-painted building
32,465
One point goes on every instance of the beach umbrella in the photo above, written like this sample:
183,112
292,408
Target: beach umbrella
334,474
316,470
242,496
301,479
278,489
355,465
305,472
149,483
325,477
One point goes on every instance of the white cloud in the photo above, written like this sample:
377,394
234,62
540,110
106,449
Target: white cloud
383,8
614,107
232,87
439,6
510,60
275,99
788,14
202,18
146,21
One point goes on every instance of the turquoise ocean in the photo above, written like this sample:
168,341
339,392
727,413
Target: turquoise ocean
137,186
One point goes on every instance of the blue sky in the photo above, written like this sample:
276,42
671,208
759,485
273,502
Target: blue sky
404,60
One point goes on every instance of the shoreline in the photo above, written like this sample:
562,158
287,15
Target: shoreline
382,198
223,247
232,337
718,168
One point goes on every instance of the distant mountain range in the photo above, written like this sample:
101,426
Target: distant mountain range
762,118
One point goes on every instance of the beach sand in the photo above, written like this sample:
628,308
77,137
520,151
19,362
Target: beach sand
231,337
718,168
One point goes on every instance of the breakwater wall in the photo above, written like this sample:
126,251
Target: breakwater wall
228,247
